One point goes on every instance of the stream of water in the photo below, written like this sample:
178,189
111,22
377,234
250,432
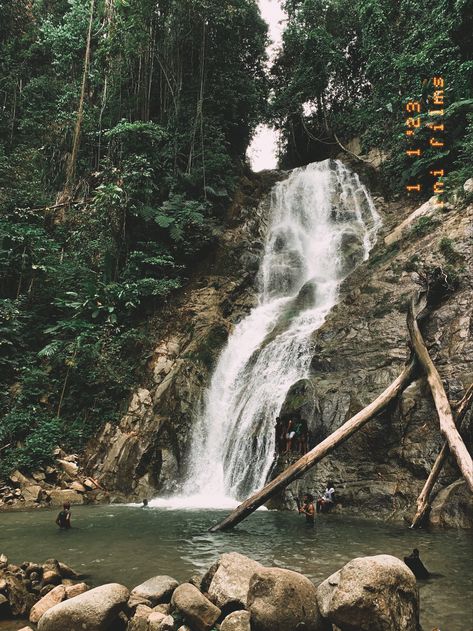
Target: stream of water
130,544
322,223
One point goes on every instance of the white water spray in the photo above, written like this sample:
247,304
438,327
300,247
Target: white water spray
322,223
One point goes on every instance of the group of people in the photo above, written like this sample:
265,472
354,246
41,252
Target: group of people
324,503
292,435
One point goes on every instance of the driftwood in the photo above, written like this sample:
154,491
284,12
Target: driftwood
311,458
423,501
447,424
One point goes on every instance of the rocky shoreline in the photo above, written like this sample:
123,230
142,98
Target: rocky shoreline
375,593
63,481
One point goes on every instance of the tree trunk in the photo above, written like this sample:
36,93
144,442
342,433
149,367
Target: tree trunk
311,458
71,167
447,424
423,501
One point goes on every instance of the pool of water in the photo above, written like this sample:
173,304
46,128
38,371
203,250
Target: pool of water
129,544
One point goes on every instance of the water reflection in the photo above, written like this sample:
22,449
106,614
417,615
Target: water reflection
129,544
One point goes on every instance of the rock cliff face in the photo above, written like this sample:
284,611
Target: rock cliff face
358,351
146,453
362,347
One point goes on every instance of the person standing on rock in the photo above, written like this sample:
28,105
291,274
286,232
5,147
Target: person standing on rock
63,520
290,433
308,509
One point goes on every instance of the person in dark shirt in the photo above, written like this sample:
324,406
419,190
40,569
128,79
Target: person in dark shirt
145,503
308,509
63,520
416,566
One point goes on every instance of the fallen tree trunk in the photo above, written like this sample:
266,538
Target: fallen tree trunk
311,458
447,424
423,501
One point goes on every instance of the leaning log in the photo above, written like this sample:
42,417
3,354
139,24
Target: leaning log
447,424
314,456
423,501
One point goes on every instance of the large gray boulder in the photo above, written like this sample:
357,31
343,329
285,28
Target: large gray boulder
95,610
196,609
282,600
156,590
231,580
377,593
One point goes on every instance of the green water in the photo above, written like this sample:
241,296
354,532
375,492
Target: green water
130,544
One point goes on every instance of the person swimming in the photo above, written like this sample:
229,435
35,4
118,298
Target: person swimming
416,566
145,503
63,520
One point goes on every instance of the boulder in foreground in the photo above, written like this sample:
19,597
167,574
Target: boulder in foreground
283,600
231,579
95,610
377,593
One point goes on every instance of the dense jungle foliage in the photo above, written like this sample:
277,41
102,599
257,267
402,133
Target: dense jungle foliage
123,127
348,68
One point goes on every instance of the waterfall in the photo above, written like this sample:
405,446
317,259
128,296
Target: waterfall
322,224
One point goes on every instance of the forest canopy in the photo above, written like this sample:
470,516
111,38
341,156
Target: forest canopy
123,129
348,67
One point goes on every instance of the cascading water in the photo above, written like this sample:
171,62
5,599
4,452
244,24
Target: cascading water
322,223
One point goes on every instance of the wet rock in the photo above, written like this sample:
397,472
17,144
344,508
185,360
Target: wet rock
196,609
282,600
3,561
45,589
67,572
51,572
55,596
452,507
231,579
58,497
156,590
237,621
377,593
95,610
